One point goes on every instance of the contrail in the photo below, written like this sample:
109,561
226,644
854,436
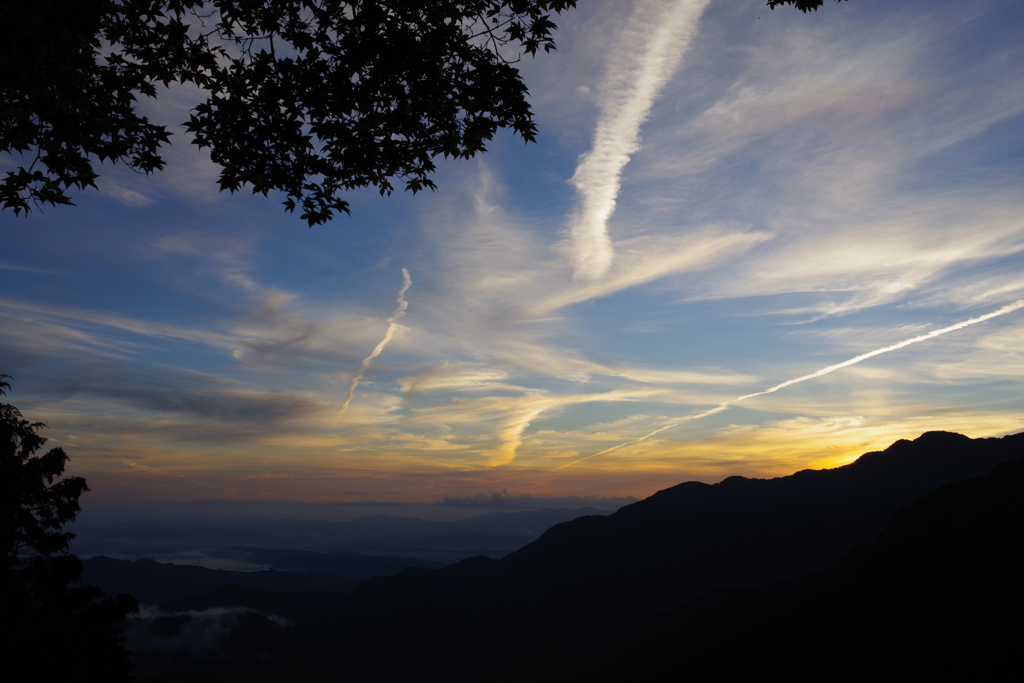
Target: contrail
648,52
392,326
1009,308
166,473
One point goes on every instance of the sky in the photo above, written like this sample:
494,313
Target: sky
722,199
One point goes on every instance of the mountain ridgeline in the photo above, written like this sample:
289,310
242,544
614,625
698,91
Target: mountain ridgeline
937,596
719,555
495,535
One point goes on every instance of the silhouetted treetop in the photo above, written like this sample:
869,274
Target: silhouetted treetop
802,5
304,97
51,630
34,506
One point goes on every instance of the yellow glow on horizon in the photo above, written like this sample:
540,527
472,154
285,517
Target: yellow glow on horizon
310,468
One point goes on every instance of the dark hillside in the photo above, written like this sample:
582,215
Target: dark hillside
938,596
587,578
936,593
692,538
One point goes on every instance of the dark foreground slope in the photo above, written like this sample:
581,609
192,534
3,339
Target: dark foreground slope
938,596
221,645
587,578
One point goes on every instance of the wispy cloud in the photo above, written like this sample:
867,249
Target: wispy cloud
165,473
1009,308
392,327
28,269
849,157
646,259
140,327
734,194
512,415
647,53
458,377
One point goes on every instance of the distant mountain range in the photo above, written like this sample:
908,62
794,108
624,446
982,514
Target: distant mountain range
157,582
494,535
708,558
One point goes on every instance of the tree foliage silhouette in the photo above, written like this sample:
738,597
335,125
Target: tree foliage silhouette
304,97
802,5
51,630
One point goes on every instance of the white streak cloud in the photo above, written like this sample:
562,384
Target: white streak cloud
1009,308
650,49
392,328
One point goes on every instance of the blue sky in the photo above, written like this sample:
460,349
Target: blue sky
722,198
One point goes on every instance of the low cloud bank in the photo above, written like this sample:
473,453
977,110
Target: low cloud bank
194,631
227,643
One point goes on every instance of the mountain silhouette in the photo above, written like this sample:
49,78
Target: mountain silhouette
938,596
288,570
586,579
927,600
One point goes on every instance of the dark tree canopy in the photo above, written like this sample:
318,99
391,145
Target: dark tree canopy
802,5
304,97
34,506
51,630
